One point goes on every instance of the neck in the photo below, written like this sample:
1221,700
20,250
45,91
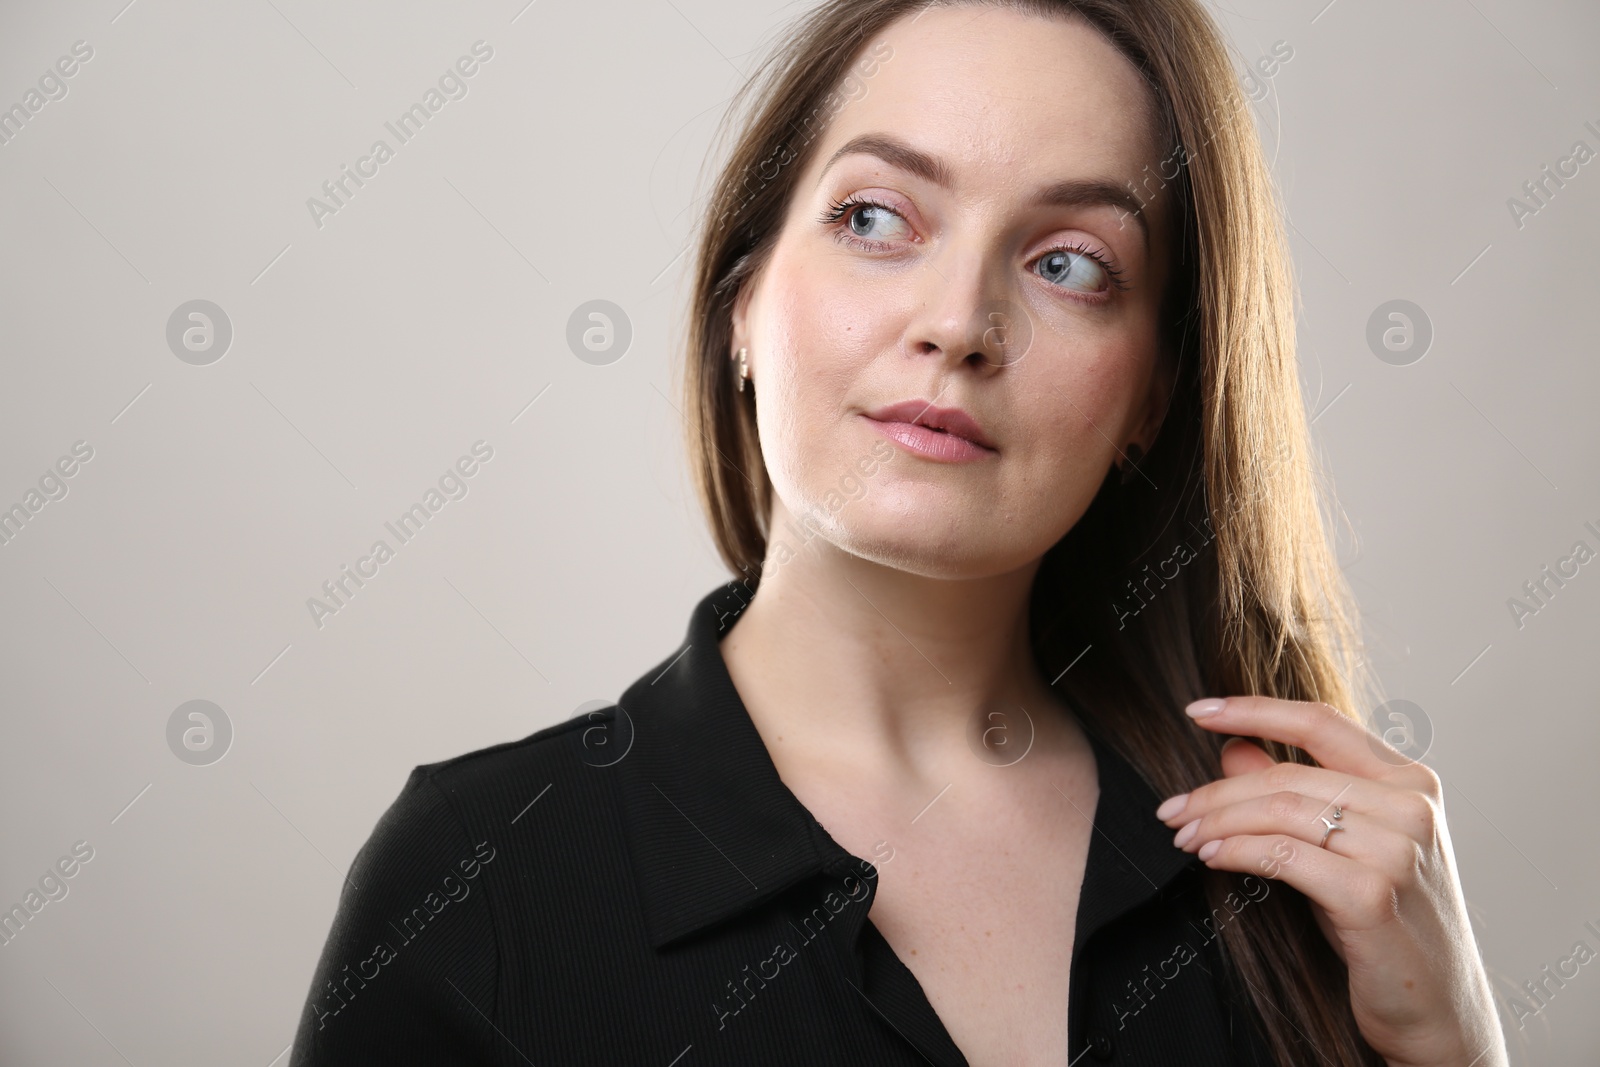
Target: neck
844,660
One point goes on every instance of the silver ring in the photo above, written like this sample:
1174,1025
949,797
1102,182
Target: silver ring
1331,824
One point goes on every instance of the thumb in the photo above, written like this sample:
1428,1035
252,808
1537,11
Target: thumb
1244,757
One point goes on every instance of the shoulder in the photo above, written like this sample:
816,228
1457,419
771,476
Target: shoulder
473,802
412,963
493,785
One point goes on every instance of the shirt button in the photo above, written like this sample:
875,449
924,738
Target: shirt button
1100,1047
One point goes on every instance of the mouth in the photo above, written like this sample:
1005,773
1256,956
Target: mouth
947,434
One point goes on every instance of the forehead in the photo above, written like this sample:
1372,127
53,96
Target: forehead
1006,99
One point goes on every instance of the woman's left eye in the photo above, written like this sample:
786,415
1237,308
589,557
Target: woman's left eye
1087,271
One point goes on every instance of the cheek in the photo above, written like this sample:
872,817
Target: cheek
819,334
1082,400
816,343
827,308
1076,405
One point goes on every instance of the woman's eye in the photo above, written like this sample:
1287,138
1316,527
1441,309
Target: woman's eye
868,221
1074,269
868,224
867,218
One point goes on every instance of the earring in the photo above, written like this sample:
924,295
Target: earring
1135,454
744,370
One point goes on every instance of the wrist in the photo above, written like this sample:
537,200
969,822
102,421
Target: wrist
1468,1050
1472,1038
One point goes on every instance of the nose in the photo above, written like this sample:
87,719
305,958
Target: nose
966,315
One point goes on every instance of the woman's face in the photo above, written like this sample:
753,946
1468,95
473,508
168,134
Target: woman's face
967,284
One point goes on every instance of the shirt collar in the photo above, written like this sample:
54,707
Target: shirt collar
712,830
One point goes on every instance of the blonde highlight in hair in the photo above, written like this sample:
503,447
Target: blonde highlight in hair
1264,608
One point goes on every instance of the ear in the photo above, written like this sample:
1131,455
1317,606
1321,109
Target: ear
740,336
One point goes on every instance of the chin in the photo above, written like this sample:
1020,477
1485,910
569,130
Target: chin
908,541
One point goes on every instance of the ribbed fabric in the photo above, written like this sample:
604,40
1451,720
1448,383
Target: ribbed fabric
638,886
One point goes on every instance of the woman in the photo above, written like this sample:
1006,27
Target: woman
992,400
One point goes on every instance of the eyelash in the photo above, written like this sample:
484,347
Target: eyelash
839,208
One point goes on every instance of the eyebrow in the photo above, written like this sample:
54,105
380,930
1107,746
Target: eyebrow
1070,192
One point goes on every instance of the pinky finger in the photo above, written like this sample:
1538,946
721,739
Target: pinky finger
1354,896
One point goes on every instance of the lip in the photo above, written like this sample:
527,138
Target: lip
948,434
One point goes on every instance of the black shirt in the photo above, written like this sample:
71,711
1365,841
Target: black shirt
637,885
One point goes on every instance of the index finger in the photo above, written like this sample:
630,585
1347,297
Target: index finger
1334,739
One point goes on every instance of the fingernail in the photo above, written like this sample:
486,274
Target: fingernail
1209,849
1187,834
1171,806
1201,708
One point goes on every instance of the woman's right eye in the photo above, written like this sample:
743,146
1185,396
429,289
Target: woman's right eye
866,222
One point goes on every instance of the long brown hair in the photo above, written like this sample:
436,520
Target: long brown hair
1231,505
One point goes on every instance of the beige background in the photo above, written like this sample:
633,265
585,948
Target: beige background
372,352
